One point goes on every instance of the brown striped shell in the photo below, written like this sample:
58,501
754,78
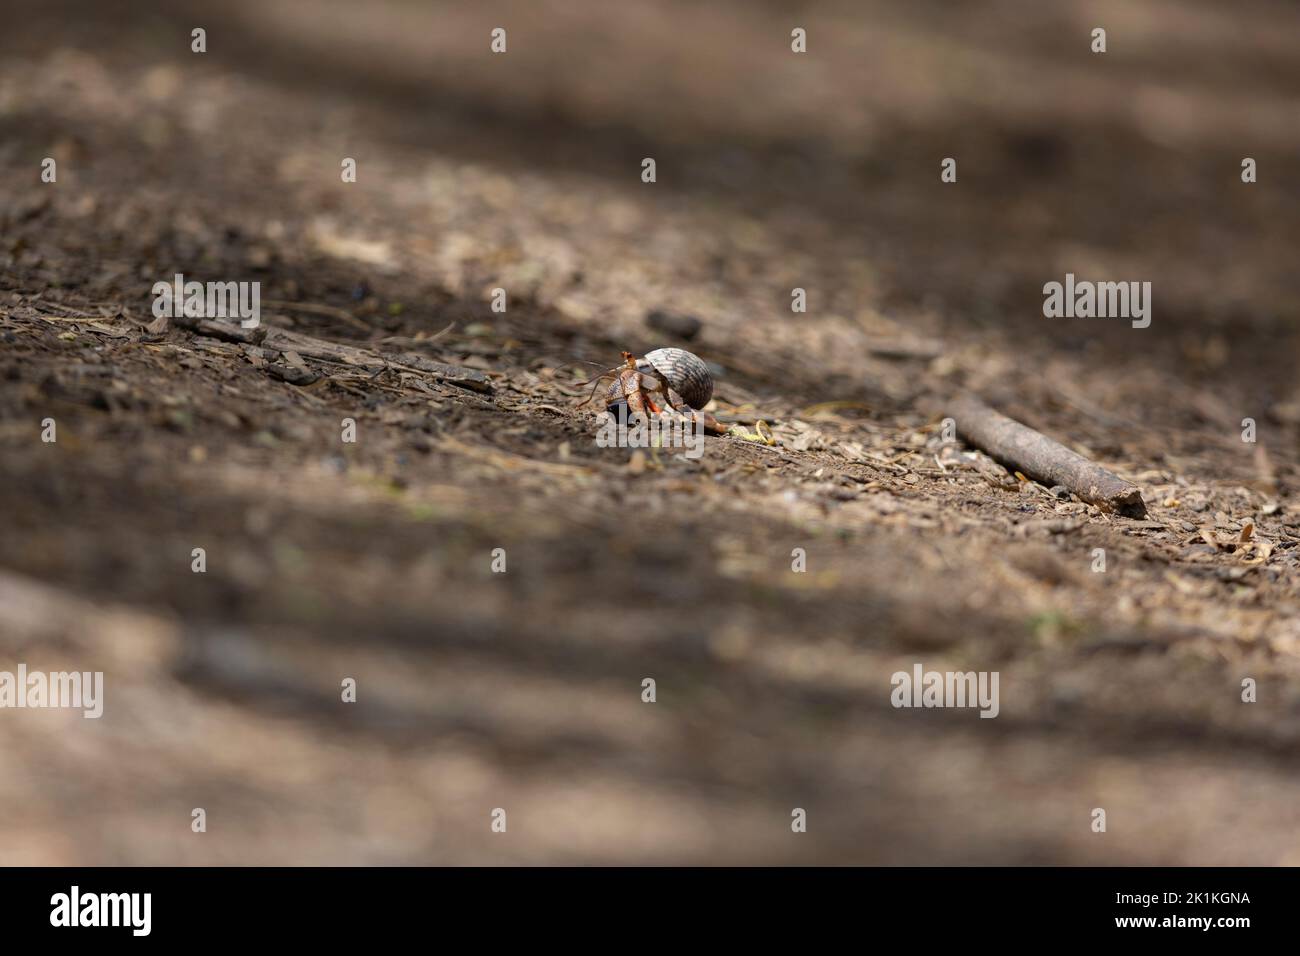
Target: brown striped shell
685,373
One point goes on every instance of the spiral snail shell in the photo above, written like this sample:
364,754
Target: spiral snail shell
685,372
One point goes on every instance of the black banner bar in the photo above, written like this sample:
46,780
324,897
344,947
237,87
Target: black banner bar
326,906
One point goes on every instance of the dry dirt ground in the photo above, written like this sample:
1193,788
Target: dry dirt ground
476,690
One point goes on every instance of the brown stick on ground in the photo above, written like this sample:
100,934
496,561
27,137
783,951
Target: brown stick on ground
1037,456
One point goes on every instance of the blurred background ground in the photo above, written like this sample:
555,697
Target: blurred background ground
522,690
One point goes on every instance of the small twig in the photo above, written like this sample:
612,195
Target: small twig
1019,447
328,310
920,349
408,342
438,335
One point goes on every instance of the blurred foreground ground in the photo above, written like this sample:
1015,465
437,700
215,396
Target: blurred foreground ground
478,690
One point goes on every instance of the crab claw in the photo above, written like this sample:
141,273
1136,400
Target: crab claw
619,411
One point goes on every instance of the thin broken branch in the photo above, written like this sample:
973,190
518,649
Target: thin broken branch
1035,455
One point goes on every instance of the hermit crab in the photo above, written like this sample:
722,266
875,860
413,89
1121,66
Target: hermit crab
667,382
